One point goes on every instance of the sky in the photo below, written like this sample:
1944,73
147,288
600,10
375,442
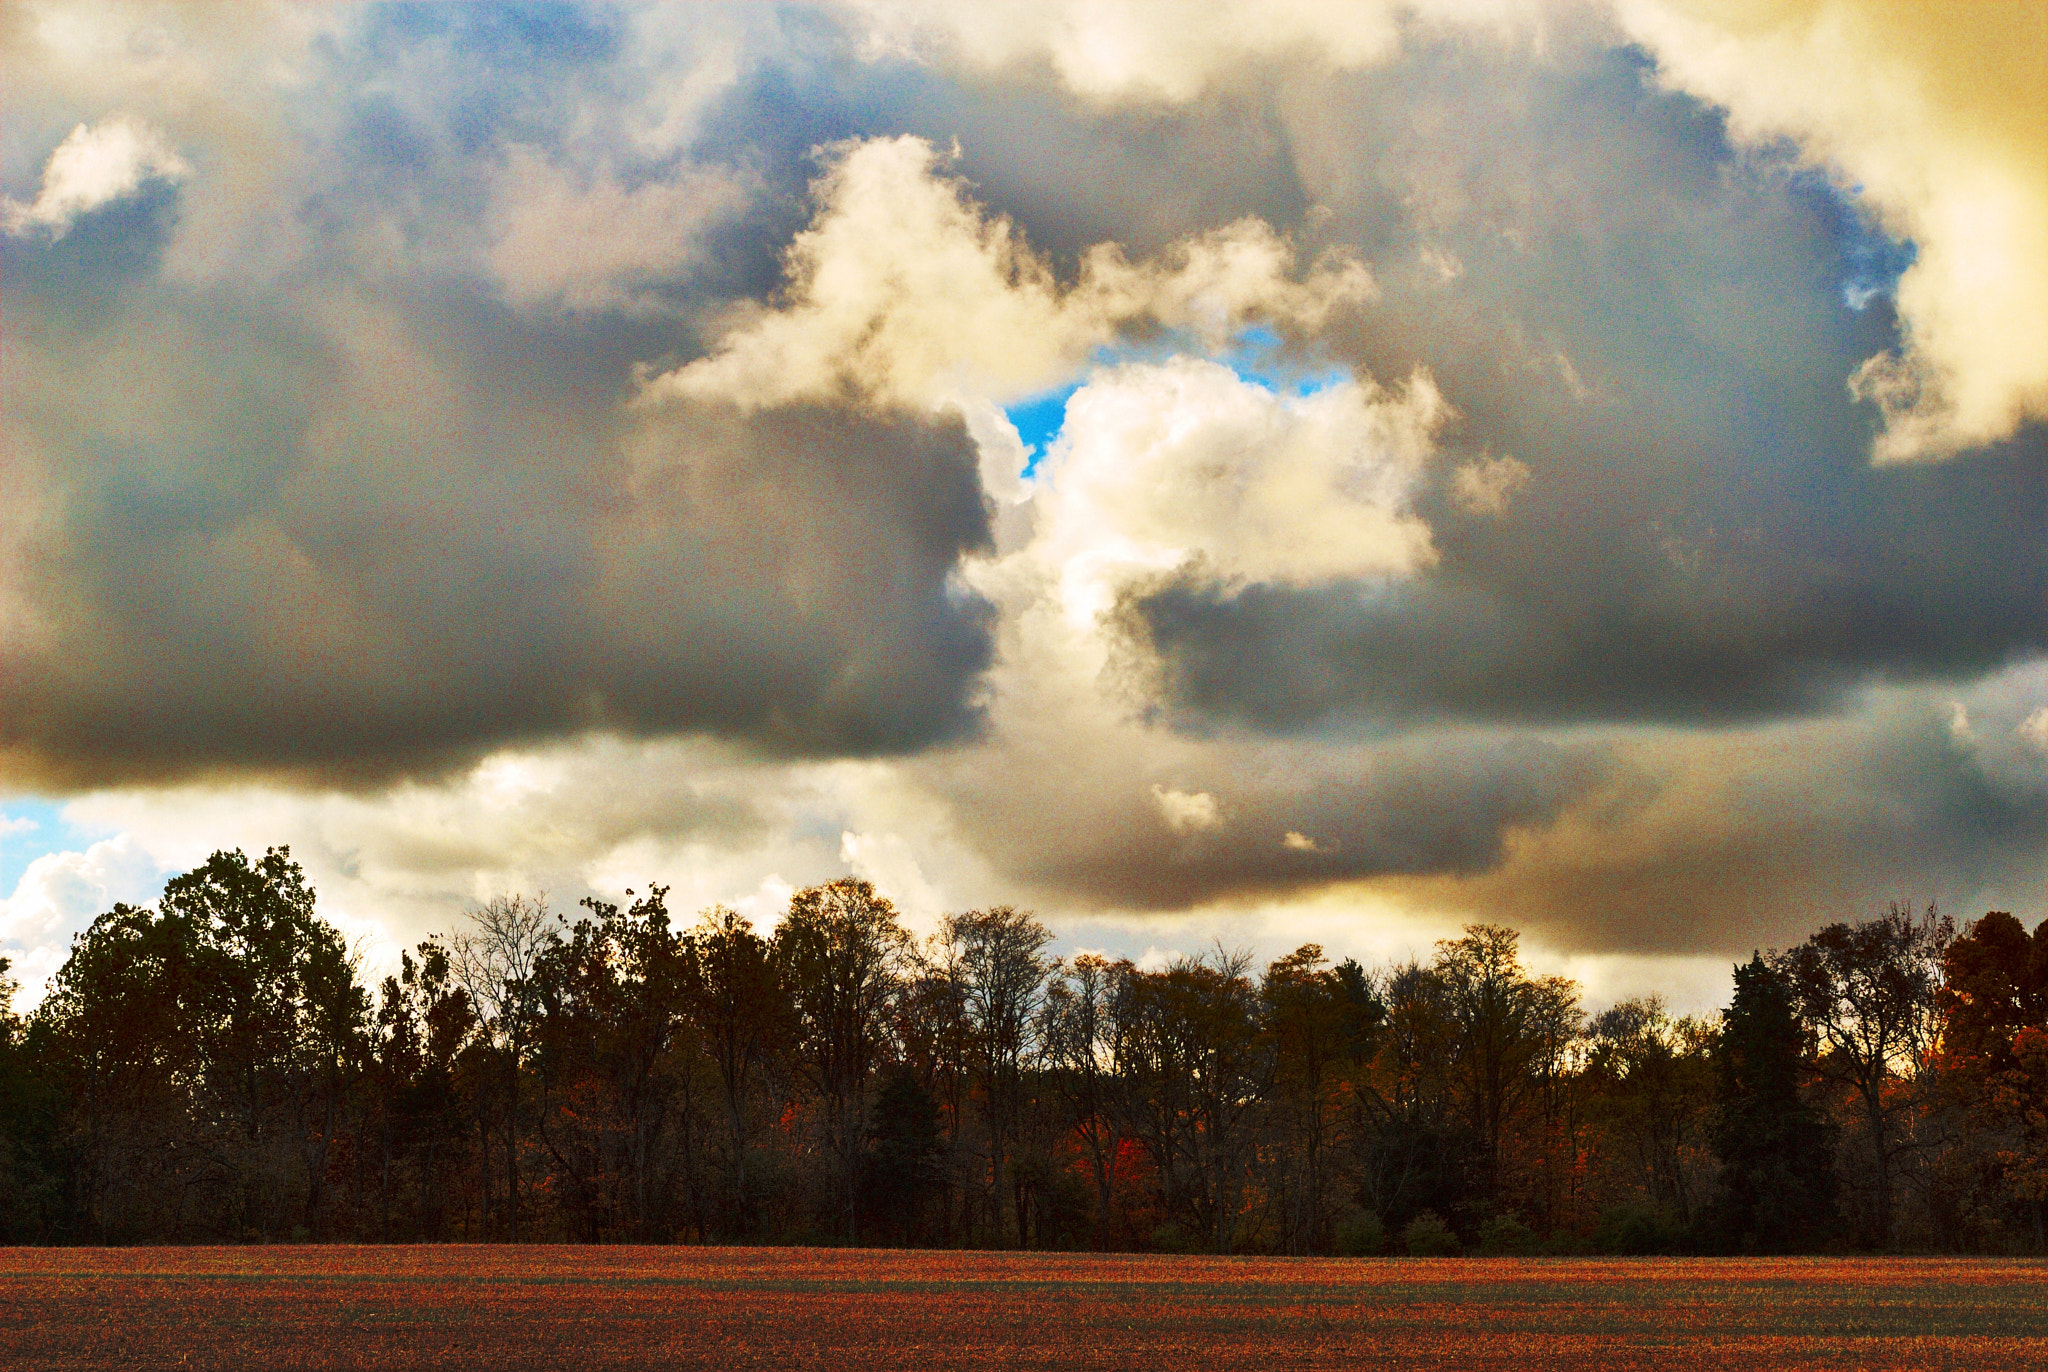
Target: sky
1246,472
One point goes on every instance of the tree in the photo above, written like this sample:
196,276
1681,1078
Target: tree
31,1198
903,1160
423,1023
1085,1052
495,962
615,1062
1198,1082
1867,992
1413,1143
1652,1096
840,951
1309,1023
1994,1053
734,1001
1777,1185
996,958
212,1042
1508,1036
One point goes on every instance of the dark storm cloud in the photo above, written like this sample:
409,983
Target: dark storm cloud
351,546
1752,838
1437,805
1657,329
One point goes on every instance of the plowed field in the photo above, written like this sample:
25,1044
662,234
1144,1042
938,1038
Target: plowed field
566,1309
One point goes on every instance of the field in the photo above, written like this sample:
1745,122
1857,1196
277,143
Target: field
566,1309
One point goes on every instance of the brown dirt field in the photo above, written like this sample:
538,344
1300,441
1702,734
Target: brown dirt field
566,1309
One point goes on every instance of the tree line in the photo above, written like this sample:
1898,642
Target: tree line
214,1068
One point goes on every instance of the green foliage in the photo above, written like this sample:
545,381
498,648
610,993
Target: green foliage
1427,1236
1777,1182
1505,1236
1630,1230
903,1172
1361,1235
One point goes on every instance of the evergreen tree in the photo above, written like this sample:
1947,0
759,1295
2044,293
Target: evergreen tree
1777,1184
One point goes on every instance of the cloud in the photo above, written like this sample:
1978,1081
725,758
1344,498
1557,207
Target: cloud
1184,464
354,555
904,291
1933,114
59,894
94,166
1484,486
1186,812
1700,536
562,451
593,242
1172,50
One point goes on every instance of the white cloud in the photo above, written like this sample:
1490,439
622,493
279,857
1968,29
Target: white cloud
95,165
60,894
17,824
905,291
1187,812
891,864
1931,113
1166,49
1185,463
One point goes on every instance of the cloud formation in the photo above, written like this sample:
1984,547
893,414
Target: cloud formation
904,292
1342,469
1933,114
95,165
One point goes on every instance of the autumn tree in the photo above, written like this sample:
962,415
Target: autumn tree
1651,1096
997,958
841,951
1085,1050
615,1060
1994,1054
423,1022
1310,1021
742,1022
1867,994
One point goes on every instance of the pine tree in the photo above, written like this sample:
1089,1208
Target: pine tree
1777,1183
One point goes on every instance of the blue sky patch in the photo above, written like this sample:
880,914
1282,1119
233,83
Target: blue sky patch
20,845
1257,354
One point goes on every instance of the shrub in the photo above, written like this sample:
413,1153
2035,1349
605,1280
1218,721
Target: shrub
1361,1235
1630,1229
1427,1236
1506,1236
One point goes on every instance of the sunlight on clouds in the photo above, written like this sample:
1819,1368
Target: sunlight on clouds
96,165
1186,465
904,291
1188,812
1165,49
60,894
1934,113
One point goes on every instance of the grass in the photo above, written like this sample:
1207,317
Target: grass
564,1309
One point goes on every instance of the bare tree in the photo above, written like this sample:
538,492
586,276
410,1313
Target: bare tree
494,963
